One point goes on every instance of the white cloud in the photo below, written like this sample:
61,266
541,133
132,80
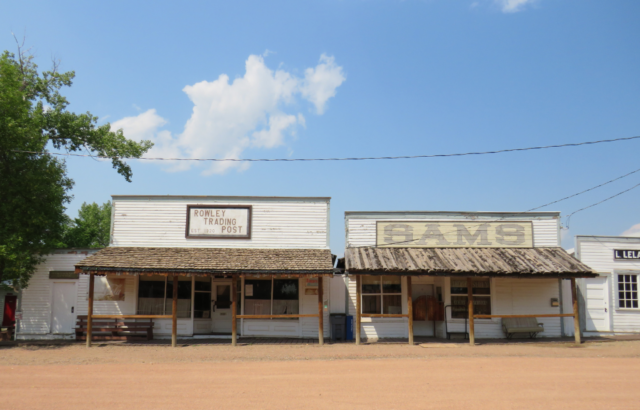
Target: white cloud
513,6
229,117
633,231
320,83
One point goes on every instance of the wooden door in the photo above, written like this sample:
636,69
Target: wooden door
63,315
221,307
597,304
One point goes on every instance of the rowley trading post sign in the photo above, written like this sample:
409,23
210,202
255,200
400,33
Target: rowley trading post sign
454,234
219,221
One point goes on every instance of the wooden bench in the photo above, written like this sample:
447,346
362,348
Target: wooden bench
514,325
115,329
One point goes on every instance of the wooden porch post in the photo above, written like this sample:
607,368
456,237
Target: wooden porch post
320,311
472,334
358,308
234,321
90,310
174,313
410,310
576,313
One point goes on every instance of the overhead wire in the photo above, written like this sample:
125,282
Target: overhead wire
338,159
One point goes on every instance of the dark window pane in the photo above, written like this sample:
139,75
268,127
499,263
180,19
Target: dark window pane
391,284
458,286
635,303
621,303
392,304
285,289
627,286
261,289
184,289
151,289
459,307
634,295
371,284
371,304
203,284
482,306
223,296
481,287
620,286
202,305
620,278
633,278
620,295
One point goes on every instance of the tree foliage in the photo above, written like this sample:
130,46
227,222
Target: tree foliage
91,229
34,186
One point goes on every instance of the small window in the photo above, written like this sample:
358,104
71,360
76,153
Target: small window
481,288
271,297
628,291
382,294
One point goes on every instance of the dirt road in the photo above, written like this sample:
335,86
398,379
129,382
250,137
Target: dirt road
596,376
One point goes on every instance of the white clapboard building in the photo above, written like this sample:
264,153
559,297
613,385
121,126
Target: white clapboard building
267,256
420,270
610,301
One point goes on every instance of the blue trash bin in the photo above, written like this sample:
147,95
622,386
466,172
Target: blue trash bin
350,328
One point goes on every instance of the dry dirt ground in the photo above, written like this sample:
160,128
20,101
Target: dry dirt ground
595,375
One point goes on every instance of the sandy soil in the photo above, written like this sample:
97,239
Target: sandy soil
342,376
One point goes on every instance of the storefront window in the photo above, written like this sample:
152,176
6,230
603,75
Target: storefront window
202,298
271,297
155,296
481,297
628,291
382,294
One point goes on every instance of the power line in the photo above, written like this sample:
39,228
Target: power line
337,159
598,203
586,190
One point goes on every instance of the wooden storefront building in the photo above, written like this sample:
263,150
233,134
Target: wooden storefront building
473,273
210,266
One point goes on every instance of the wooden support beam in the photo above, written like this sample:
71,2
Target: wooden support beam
358,309
90,309
472,333
132,316
234,319
320,312
174,313
576,313
410,309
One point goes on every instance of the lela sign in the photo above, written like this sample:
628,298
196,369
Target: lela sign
204,221
454,234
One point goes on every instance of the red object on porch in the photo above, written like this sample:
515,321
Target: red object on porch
9,317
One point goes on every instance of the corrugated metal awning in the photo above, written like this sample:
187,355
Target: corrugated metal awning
208,261
499,262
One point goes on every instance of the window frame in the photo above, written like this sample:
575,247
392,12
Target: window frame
490,296
618,273
272,279
382,294
165,298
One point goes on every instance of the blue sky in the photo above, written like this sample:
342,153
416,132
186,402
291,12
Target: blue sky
345,78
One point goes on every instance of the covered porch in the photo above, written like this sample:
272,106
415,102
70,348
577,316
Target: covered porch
473,289
269,281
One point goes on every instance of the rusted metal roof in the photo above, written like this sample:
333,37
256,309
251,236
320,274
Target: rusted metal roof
135,260
498,262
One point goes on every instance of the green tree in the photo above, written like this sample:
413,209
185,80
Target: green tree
91,228
34,186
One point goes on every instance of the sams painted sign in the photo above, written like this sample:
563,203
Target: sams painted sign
454,234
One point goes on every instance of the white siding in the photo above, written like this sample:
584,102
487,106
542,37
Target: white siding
597,252
37,297
509,297
275,223
362,232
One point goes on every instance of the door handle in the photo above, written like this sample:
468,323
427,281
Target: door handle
605,310
72,309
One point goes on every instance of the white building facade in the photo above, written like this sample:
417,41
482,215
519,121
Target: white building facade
275,247
610,301
380,238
